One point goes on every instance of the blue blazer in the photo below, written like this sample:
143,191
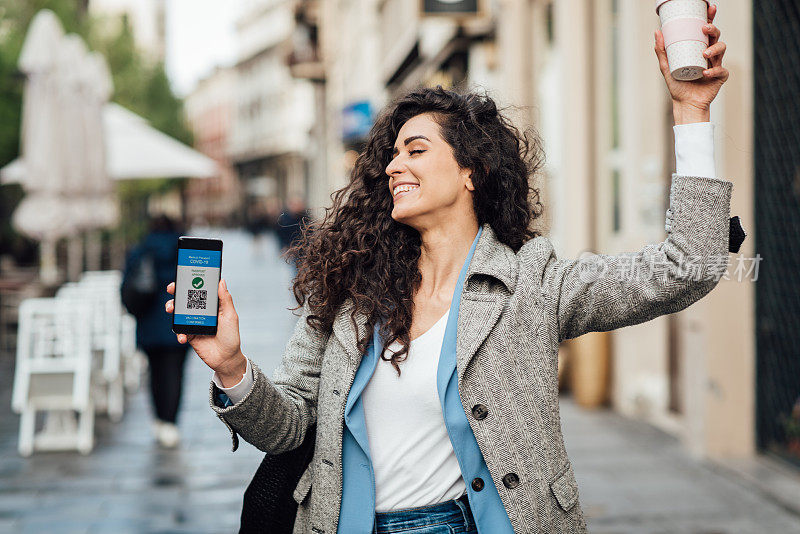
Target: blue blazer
357,512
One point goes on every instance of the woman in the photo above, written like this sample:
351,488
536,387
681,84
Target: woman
431,239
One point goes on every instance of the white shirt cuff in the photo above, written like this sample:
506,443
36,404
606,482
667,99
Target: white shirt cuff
240,390
694,149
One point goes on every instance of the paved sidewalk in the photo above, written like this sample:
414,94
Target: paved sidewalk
632,477
128,484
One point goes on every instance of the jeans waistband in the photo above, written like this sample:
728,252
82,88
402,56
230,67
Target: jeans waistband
454,512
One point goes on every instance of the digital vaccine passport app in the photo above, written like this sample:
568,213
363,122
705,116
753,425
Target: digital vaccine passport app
197,282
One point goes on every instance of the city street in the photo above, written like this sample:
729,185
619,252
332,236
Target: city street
632,477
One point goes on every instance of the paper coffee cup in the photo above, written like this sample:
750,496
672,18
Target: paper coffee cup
682,24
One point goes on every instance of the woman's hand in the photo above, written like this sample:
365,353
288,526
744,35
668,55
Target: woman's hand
691,100
221,352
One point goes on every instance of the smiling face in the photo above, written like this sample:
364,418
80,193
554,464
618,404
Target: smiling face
436,190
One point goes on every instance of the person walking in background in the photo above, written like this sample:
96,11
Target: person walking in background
257,225
289,229
154,259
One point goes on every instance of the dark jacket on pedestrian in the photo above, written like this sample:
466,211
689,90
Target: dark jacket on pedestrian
154,327
288,228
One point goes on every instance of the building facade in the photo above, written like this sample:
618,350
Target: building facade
270,140
209,111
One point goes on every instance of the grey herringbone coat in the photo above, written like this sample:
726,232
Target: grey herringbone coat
515,310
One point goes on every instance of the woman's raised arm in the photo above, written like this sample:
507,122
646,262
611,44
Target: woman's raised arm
601,292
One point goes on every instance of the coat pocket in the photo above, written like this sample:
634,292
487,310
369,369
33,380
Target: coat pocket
565,488
303,485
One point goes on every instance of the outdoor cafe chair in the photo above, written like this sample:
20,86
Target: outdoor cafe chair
53,375
104,318
133,361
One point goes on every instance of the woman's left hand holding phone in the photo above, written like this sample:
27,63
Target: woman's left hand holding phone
221,352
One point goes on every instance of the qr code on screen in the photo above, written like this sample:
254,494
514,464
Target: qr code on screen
197,299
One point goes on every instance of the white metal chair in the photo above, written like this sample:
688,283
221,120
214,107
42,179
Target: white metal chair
53,375
132,360
106,311
113,277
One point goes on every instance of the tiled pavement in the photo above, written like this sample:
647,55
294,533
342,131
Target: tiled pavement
128,484
632,477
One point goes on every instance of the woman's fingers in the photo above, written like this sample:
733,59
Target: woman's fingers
225,298
713,33
170,306
183,338
715,53
716,72
171,288
661,53
712,12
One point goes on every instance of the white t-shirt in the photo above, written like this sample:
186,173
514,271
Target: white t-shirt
412,457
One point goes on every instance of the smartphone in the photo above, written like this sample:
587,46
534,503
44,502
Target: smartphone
199,268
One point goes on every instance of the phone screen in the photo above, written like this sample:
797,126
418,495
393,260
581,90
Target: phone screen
196,286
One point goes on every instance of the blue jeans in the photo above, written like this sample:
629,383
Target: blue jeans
449,517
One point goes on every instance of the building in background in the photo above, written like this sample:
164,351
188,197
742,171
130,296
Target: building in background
689,373
210,109
372,51
274,111
305,62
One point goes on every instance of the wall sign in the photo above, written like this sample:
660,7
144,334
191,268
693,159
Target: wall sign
451,7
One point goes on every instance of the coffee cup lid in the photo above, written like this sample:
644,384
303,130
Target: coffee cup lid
659,2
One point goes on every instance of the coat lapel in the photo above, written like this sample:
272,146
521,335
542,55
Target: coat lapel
483,303
476,319
480,308
344,331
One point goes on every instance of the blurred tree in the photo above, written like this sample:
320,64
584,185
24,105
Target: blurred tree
140,84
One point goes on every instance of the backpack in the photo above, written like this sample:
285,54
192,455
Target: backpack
139,288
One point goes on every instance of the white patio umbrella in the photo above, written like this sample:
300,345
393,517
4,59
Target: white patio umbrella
137,150
74,96
71,72
103,204
100,203
43,214
37,60
134,150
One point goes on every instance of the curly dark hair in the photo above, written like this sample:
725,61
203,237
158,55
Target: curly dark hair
358,252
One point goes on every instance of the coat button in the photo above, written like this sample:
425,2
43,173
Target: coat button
477,484
479,411
511,480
